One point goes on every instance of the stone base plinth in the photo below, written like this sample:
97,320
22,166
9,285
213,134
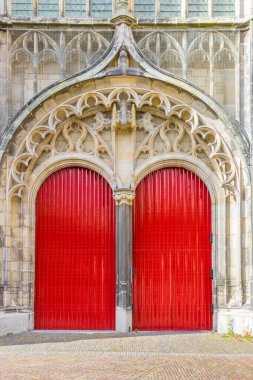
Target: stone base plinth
123,320
15,323
240,321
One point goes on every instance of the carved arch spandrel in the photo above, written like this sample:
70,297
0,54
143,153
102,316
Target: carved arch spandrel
183,122
85,125
73,135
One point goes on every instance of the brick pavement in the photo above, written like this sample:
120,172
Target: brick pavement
95,356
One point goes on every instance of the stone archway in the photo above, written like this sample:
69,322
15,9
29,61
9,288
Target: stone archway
124,132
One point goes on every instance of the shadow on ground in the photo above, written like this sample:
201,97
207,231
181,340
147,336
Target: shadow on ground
35,337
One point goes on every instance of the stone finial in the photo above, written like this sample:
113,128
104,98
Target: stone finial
124,196
122,14
123,61
123,5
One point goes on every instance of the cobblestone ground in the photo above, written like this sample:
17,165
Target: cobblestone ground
130,356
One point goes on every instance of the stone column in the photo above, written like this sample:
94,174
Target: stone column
3,8
234,249
124,199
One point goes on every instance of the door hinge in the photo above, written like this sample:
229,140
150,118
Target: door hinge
211,237
132,307
212,308
211,274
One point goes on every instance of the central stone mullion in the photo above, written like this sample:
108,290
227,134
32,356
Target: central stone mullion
123,198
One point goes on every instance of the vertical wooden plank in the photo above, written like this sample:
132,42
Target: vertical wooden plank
172,288
75,252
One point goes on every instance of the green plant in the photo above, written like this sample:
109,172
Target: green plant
230,326
245,336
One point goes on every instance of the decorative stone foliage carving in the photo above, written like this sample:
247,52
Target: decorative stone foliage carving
123,114
124,196
86,124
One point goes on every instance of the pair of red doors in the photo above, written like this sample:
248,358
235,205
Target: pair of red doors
75,271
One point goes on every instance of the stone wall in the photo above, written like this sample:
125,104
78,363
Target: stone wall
53,138
124,115
213,58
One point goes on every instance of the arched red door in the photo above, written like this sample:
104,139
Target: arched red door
172,287
75,252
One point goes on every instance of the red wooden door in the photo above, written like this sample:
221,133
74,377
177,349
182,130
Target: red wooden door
172,288
75,252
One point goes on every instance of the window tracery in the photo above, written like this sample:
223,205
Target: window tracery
142,8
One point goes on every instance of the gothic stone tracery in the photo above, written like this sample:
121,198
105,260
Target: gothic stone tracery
86,124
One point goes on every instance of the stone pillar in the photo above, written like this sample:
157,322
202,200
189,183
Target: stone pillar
234,248
124,199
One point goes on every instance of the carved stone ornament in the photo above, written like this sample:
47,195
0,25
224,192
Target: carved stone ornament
159,47
37,47
124,196
124,116
184,131
85,125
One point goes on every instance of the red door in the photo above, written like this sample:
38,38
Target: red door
172,288
75,252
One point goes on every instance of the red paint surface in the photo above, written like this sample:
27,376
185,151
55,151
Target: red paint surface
172,288
75,252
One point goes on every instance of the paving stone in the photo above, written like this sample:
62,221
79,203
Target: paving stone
136,356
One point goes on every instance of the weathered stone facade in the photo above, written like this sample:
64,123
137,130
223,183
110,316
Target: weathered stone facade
124,99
